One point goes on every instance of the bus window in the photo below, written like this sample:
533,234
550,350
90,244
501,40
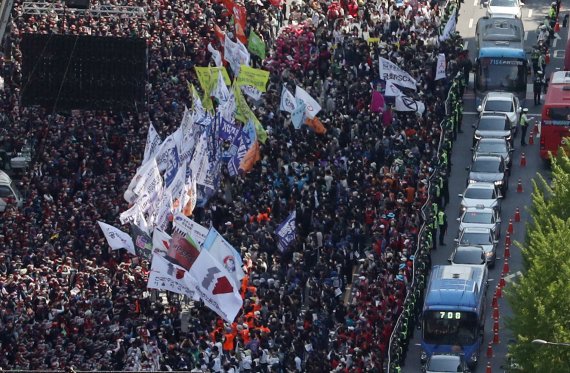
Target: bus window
450,328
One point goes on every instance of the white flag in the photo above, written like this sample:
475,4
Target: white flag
164,209
220,91
160,242
391,71
116,238
440,69
200,161
189,228
287,101
168,276
392,90
244,56
449,27
177,188
232,54
190,196
251,91
216,55
312,107
224,253
153,142
215,286
129,195
134,216
166,148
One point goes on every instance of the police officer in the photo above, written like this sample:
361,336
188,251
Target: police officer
524,126
535,55
442,223
537,86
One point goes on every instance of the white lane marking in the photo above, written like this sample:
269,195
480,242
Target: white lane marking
477,113
471,23
525,35
529,13
465,45
554,43
475,2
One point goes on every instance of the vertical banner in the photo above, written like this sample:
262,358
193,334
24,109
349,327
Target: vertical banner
440,69
286,232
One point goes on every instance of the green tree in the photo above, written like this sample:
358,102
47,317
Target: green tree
540,301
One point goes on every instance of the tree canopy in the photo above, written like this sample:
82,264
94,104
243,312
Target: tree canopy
540,300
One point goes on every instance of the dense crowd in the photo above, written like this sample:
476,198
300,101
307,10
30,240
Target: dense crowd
67,300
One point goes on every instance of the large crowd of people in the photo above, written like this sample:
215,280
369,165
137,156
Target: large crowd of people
67,300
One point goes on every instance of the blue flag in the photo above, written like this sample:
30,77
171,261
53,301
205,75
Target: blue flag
298,115
286,232
173,161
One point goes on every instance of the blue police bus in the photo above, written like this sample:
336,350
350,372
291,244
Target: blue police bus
453,315
501,64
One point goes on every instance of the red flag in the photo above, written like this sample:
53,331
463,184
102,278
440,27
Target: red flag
276,3
229,4
219,34
316,125
240,18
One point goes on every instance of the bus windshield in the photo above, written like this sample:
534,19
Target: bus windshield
503,74
450,328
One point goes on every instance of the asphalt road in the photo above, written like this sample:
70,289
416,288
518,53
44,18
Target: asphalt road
533,15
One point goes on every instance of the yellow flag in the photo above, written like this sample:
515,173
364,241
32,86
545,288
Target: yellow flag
244,112
255,77
208,76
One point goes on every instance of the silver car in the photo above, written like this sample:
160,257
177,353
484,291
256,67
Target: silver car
480,237
504,8
446,363
480,195
502,102
481,217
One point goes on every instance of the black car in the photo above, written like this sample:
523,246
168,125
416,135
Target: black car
489,169
495,146
446,363
494,125
468,254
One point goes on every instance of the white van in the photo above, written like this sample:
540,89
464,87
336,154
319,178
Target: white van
9,193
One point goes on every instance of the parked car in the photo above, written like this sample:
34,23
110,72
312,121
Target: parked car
480,237
480,195
9,193
468,254
504,8
502,102
490,169
481,217
492,146
495,125
446,363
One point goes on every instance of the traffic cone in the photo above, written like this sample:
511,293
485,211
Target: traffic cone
495,313
508,239
490,350
496,325
488,370
502,282
494,303
531,136
557,27
510,228
507,251
523,160
499,292
496,338
517,215
547,58
519,186
506,267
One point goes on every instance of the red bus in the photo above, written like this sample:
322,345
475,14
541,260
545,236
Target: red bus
555,121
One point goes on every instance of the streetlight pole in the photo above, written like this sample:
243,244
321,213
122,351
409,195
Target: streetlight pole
543,342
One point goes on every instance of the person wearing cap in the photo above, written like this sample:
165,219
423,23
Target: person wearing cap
523,122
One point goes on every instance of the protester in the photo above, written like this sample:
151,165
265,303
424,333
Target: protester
330,301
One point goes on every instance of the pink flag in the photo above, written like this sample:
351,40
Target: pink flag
377,102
